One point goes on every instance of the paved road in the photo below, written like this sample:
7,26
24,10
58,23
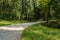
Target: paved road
13,32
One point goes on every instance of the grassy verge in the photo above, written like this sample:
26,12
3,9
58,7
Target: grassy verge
4,22
40,32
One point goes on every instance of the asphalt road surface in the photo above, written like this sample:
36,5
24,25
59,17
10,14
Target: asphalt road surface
13,32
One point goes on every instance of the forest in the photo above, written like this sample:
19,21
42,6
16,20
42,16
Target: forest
44,12
30,10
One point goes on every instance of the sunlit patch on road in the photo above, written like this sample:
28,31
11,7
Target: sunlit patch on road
12,28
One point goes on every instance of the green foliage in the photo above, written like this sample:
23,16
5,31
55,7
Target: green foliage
4,22
10,9
29,9
40,32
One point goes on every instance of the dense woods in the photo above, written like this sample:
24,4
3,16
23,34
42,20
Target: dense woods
30,10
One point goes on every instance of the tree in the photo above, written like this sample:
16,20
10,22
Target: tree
48,14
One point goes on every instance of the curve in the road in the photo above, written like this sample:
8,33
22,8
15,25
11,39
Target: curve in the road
13,32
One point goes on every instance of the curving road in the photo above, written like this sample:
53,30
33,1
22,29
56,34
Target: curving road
13,32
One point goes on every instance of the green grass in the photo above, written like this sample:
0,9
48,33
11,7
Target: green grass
40,32
4,22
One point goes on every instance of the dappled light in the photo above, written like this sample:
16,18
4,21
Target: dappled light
40,32
29,12
52,24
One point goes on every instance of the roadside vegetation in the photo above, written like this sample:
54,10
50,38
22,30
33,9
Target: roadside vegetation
20,11
40,32
4,22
